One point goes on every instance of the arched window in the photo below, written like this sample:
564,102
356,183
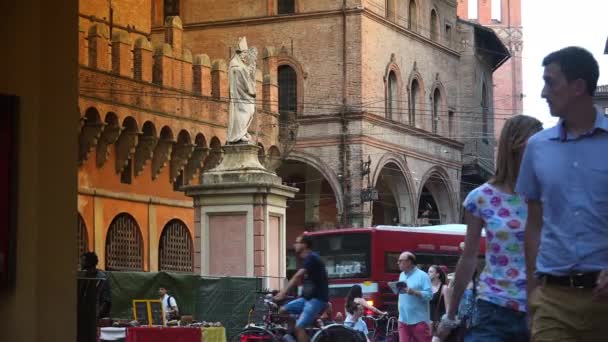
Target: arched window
391,10
434,26
288,92
393,96
175,252
436,109
414,98
485,112
412,22
171,8
124,245
83,237
286,7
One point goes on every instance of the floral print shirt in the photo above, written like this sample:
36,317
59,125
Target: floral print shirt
503,280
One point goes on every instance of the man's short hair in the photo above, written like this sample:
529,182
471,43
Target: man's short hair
576,63
90,258
411,257
307,240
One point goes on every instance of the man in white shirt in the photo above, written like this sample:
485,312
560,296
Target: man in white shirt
169,305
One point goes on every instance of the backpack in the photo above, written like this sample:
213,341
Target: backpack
172,315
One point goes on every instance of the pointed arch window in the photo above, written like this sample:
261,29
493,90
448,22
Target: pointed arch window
436,110
412,22
434,26
393,96
414,98
288,92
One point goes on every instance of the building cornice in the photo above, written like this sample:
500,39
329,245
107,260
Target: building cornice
411,34
264,19
381,121
334,140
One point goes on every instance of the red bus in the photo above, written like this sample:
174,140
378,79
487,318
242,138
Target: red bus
368,257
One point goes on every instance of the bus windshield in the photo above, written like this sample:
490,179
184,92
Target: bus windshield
344,255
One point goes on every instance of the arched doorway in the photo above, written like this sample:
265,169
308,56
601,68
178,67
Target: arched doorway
175,252
314,206
435,205
394,205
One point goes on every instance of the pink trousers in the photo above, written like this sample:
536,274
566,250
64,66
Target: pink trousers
419,332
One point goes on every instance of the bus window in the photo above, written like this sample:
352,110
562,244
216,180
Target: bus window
424,261
344,255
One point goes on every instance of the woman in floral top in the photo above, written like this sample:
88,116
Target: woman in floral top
494,206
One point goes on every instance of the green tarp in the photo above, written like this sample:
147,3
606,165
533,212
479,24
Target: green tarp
226,300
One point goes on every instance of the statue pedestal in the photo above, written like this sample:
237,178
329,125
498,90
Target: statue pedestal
240,218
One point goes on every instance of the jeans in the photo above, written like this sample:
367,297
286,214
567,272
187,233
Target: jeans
494,323
307,309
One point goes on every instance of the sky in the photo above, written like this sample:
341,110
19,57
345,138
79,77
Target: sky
553,24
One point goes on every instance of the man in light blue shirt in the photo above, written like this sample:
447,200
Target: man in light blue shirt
415,293
564,176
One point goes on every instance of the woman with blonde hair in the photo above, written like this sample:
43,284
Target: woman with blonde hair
500,314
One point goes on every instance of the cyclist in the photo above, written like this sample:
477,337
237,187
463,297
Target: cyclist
315,288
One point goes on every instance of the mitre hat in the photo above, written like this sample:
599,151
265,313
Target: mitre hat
242,45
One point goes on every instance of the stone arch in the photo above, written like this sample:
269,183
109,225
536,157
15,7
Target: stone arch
183,137
401,183
416,93
90,131
175,248
129,124
327,173
166,133
393,95
200,140
148,129
435,185
317,205
286,60
124,245
91,115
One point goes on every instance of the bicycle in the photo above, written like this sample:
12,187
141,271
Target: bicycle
266,324
385,328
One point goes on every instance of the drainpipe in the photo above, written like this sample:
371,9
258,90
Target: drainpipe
343,146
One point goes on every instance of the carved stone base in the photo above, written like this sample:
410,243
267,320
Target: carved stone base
240,165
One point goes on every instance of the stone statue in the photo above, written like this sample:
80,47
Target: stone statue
241,78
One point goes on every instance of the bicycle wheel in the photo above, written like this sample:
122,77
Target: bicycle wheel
255,334
338,332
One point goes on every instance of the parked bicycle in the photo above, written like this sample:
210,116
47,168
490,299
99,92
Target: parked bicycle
268,325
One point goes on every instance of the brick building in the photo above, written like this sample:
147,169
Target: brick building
372,108
153,117
504,17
